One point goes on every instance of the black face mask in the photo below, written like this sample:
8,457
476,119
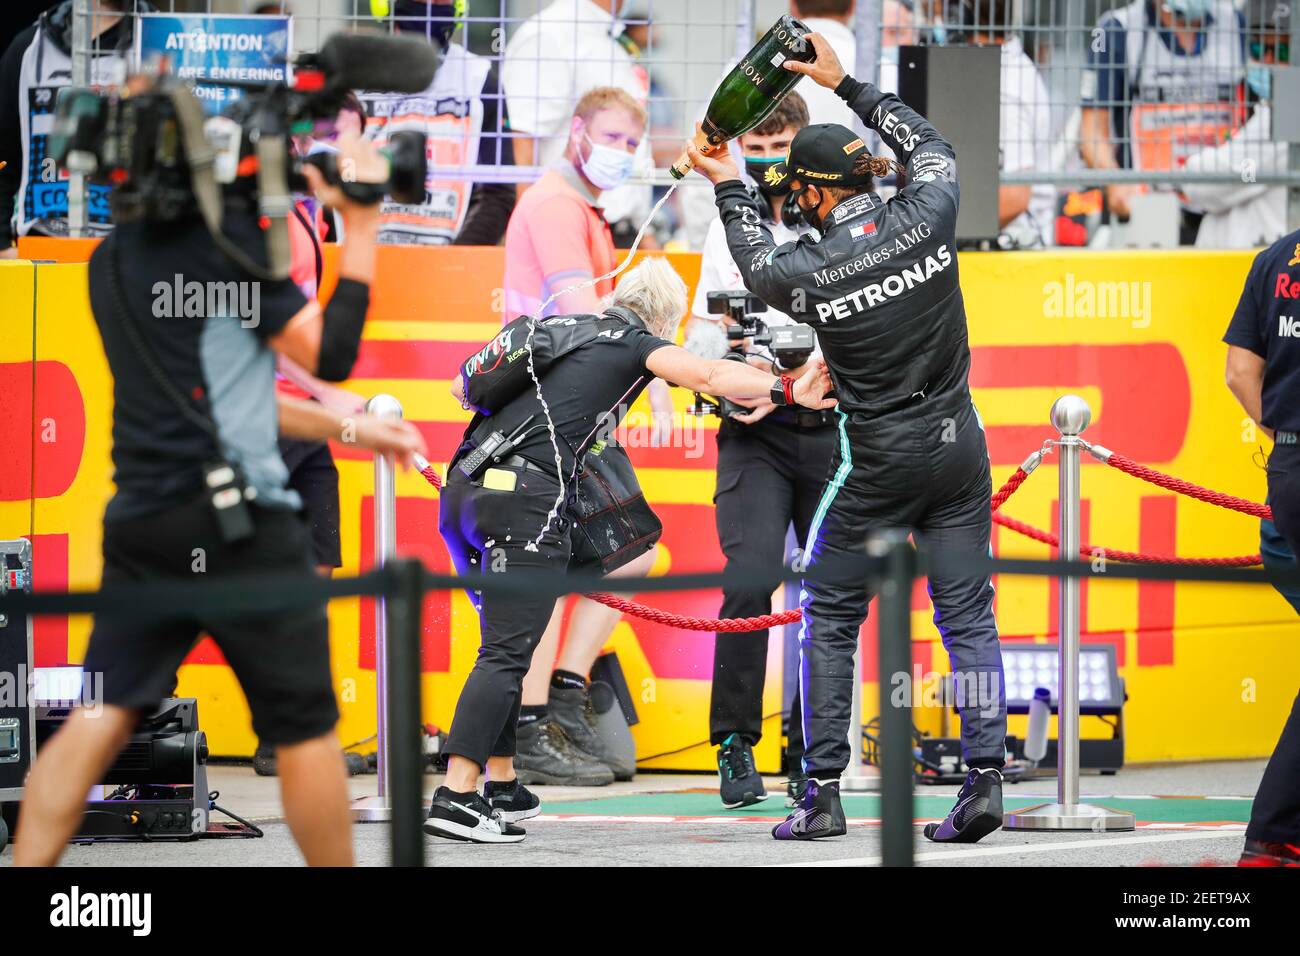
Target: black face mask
758,169
791,214
810,213
415,18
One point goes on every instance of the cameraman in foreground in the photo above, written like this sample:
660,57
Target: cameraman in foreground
772,465
201,489
882,290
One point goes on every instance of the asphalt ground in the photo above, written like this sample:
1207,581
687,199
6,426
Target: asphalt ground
1188,814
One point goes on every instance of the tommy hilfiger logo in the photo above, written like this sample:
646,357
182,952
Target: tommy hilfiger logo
862,230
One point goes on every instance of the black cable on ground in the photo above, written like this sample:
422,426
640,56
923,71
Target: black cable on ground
254,830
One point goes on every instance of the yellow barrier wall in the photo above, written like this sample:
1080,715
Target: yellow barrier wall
1211,670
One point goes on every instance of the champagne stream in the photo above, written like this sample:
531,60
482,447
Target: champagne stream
537,383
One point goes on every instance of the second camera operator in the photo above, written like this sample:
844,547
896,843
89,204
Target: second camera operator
772,465
200,484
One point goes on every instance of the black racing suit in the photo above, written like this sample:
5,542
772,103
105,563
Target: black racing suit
881,289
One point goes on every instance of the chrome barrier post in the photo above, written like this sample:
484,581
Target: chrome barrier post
896,812
376,809
1071,416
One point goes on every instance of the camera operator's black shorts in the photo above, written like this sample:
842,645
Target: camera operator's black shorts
313,474
281,661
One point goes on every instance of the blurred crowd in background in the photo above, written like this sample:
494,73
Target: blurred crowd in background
1138,124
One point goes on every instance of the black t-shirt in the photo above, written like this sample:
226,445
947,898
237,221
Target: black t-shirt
207,322
1267,322
605,375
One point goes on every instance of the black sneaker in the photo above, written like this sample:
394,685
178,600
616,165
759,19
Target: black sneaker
794,787
978,811
512,801
545,755
570,707
739,783
468,818
816,815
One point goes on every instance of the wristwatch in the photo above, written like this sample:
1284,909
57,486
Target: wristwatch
783,390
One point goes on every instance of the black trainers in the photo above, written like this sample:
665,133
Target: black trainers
570,707
794,787
1259,853
817,814
468,818
512,801
739,784
545,755
978,811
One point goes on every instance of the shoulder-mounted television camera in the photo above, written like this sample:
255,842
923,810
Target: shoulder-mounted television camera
150,139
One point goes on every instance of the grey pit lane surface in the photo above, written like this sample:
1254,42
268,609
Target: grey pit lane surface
577,842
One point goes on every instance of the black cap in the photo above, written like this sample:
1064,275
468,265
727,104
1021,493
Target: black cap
822,155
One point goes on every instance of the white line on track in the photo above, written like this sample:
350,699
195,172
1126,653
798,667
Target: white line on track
1091,844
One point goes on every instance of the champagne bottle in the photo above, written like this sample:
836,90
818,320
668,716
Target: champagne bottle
752,89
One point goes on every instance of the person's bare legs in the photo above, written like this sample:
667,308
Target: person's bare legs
537,682
313,786
501,769
69,764
592,623
462,773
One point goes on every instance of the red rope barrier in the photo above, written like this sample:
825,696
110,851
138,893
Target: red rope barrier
1009,488
660,616
1127,557
1178,486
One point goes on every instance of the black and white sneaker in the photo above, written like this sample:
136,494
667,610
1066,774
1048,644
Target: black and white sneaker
468,817
817,813
978,811
512,800
739,784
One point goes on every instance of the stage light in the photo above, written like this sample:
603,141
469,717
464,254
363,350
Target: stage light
1030,666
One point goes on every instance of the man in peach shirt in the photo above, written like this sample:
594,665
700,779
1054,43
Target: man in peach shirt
557,240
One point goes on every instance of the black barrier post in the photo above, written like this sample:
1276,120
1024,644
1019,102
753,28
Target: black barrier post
895,638
403,603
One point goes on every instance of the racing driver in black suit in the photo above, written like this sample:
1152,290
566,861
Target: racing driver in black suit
881,289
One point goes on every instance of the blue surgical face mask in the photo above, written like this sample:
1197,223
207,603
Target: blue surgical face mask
1260,80
606,166
939,33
